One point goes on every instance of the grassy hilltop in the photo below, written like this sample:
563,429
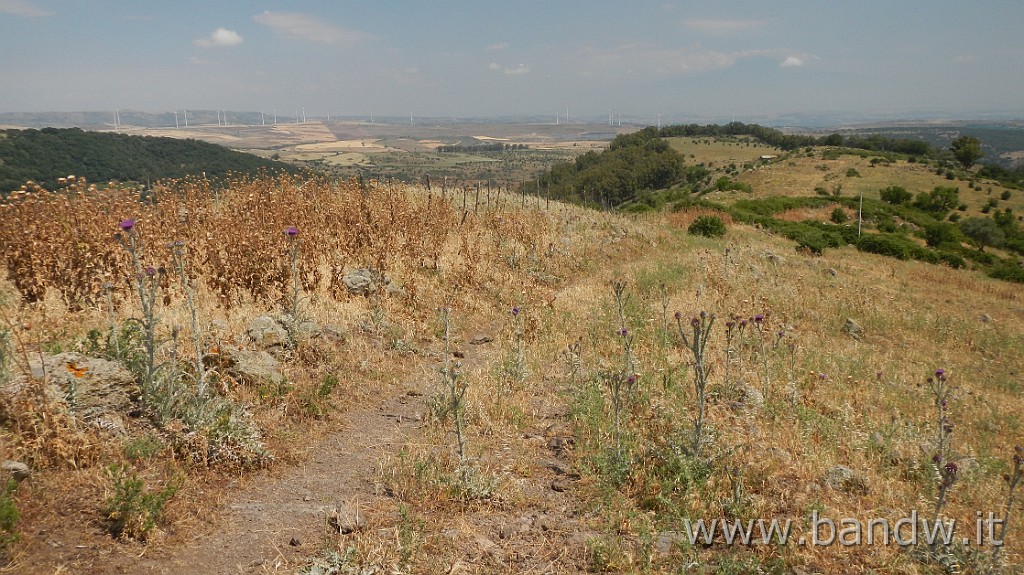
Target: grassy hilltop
522,384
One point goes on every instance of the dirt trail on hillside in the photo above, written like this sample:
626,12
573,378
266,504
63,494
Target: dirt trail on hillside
279,516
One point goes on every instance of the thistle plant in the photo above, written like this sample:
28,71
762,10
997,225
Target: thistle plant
623,380
760,323
147,283
292,234
1013,481
734,329
697,342
179,256
517,364
947,472
455,391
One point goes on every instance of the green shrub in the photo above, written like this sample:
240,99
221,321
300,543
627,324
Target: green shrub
839,216
1008,270
133,511
887,245
707,226
8,516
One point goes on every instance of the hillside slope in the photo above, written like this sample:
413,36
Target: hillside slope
45,156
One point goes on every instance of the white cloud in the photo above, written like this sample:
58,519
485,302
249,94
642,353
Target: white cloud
792,61
220,37
498,46
517,70
493,66
644,58
712,26
23,8
299,26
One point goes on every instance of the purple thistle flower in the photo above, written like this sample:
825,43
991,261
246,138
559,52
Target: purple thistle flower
940,374
128,225
950,470
150,271
291,231
631,379
679,315
623,332
822,376
758,318
515,311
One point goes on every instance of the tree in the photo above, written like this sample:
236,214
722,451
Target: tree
983,232
966,150
896,195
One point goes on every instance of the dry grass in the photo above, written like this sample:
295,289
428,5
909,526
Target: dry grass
871,411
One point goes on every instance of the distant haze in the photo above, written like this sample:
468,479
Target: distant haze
638,61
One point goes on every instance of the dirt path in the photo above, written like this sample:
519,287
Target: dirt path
279,517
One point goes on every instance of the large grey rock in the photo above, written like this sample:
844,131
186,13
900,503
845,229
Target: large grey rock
16,469
842,478
246,366
853,329
266,332
364,281
90,386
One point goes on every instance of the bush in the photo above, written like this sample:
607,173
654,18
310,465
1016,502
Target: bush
839,216
133,511
1008,270
887,245
707,226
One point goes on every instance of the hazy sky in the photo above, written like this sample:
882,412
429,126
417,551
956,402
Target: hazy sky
514,57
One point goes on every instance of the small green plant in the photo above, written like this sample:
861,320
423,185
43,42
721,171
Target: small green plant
8,516
707,226
410,537
133,511
142,448
316,403
839,216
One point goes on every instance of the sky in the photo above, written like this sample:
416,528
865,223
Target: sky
633,59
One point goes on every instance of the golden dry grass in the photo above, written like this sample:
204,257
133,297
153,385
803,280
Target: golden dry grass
871,411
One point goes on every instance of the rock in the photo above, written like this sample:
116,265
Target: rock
560,485
750,397
775,259
90,386
364,281
308,329
17,470
265,332
345,519
831,272
842,478
481,339
669,541
852,329
335,333
395,290
986,318
246,366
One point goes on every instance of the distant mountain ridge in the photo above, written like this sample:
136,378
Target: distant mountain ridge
44,156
